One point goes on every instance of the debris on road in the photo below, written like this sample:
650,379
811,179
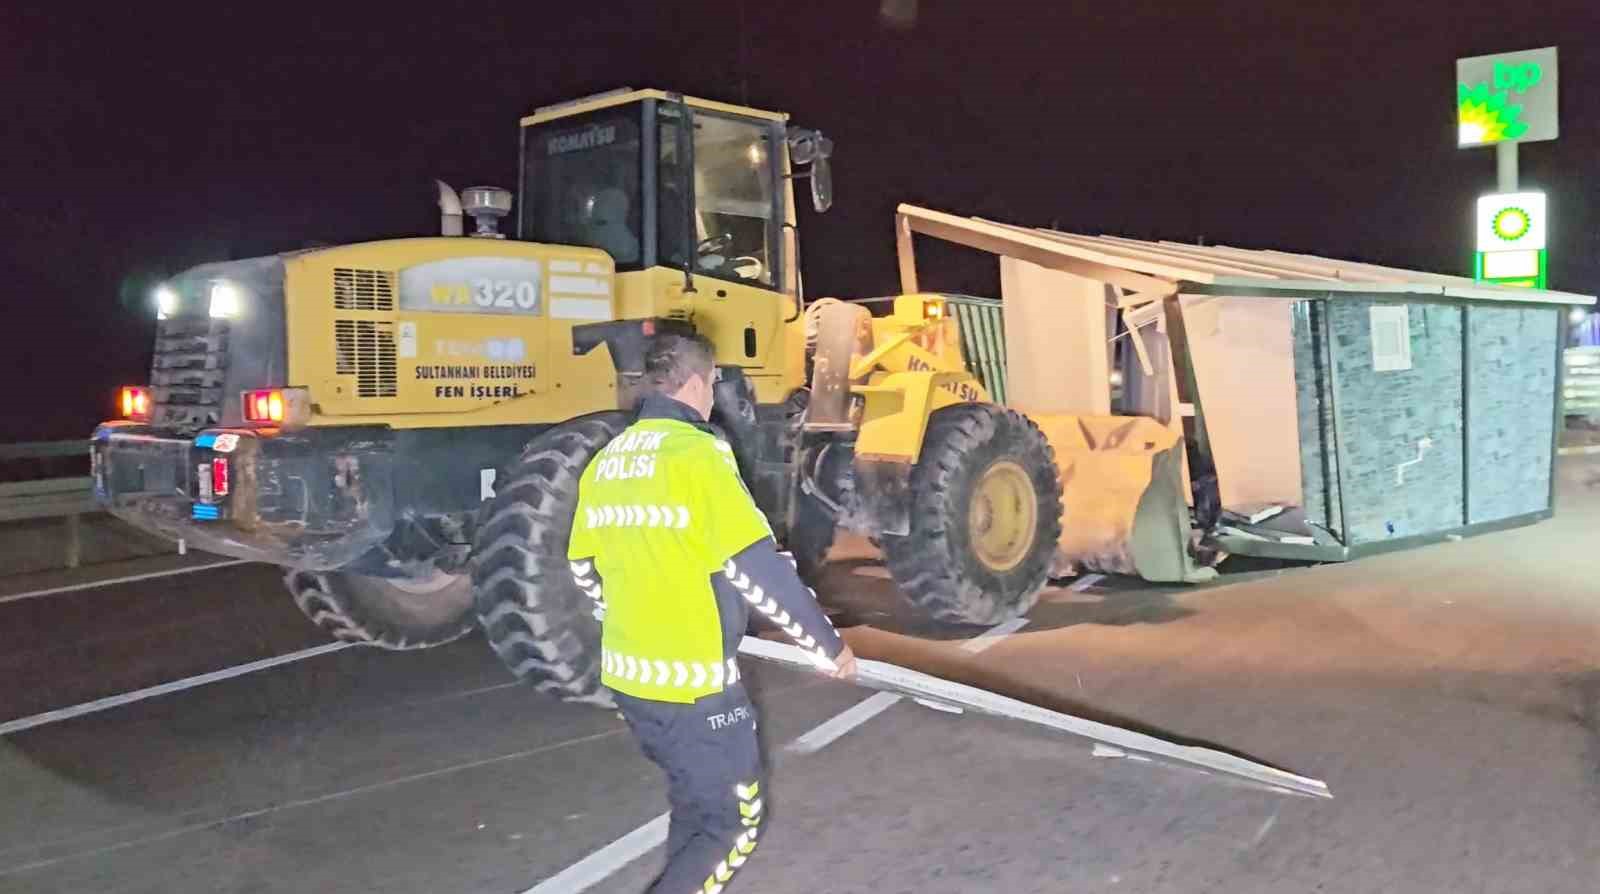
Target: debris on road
884,676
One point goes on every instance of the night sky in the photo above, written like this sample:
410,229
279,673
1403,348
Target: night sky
144,138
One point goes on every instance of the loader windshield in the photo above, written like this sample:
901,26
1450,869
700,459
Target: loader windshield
613,180
581,184
737,212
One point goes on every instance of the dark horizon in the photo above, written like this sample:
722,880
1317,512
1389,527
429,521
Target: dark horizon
146,141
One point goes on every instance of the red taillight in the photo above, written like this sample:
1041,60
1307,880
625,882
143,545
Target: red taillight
284,408
134,402
264,406
219,476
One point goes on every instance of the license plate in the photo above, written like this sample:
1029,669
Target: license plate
205,482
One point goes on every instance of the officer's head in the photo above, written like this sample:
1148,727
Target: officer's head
680,367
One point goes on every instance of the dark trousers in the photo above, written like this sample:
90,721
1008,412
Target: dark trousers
715,784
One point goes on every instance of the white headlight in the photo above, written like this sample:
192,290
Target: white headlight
224,300
166,302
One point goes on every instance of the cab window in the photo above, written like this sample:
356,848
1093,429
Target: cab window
581,184
737,214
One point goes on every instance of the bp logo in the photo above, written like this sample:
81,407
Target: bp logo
1511,224
1512,221
1487,116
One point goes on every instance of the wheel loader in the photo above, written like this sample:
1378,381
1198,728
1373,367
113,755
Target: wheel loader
401,424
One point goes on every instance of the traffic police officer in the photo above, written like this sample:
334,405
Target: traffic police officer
676,554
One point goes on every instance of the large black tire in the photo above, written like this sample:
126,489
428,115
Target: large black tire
985,517
538,621
390,614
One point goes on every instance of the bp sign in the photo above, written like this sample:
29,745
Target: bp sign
1512,232
1511,222
1506,98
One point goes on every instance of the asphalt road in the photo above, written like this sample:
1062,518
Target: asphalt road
1449,696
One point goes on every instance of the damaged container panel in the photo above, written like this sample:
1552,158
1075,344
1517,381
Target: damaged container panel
1421,420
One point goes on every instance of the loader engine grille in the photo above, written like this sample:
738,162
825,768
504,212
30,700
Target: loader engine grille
358,289
366,350
187,373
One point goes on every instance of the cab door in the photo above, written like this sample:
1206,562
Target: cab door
738,201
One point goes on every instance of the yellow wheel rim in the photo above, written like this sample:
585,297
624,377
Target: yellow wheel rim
1004,516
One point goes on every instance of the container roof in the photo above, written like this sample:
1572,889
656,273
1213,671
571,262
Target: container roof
1166,267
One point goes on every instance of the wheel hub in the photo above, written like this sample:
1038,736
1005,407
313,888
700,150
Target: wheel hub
1003,518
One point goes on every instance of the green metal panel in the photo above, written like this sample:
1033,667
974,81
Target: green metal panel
983,340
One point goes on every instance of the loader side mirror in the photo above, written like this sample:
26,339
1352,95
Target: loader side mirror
810,147
821,184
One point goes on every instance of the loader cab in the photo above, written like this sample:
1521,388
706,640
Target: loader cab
699,221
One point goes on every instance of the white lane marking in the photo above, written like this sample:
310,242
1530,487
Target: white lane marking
111,582
824,735
309,802
605,862
600,865
112,701
1266,827
1085,582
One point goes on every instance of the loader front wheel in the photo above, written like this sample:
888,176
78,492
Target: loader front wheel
985,517
535,617
383,612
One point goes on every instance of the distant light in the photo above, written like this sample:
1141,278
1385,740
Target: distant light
224,300
166,302
756,154
135,402
1578,315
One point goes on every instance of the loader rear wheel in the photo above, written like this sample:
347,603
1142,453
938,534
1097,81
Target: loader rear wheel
537,620
985,517
384,612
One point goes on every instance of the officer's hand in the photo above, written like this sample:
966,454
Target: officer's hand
845,664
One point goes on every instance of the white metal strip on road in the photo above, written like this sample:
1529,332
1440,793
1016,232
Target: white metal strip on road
824,735
605,862
882,675
112,701
111,582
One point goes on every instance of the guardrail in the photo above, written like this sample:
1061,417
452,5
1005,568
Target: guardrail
68,498
1580,388
44,450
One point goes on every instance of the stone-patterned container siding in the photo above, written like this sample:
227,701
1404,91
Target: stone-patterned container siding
1381,417
1511,386
1318,468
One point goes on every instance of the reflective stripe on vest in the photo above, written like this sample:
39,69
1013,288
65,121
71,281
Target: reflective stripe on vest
673,674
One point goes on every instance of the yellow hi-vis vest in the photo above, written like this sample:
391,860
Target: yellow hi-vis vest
661,509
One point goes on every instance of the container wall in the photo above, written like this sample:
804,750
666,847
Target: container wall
1314,415
1244,360
1511,352
1399,427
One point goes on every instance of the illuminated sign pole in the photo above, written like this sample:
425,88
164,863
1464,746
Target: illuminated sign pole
1501,101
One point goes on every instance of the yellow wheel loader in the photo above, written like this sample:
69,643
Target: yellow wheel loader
401,424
